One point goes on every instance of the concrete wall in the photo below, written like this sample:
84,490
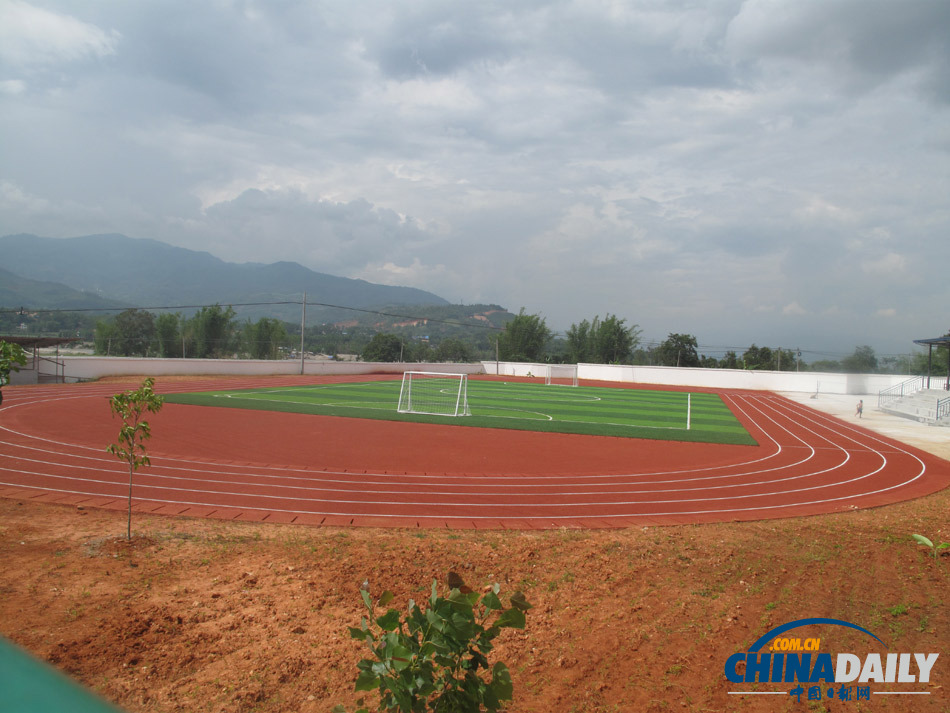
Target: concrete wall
85,367
78,367
806,382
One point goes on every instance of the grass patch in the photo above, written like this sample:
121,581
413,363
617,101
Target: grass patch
585,410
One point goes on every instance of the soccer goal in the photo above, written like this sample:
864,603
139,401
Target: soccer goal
434,393
561,375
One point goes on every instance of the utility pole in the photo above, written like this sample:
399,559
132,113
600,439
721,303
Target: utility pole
303,327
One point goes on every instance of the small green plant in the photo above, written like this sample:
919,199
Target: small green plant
131,406
12,357
436,659
934,549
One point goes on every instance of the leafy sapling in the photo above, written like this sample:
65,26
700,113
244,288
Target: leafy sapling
436,659
934,549
131,406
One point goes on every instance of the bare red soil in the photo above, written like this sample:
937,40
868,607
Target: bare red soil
202,614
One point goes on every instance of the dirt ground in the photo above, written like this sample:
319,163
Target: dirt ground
200,615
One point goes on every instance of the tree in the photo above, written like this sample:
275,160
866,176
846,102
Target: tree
524,339
384,347
420,351
863,361
614,342
765,359
579,342
826,365
602,342
134,331
758,358
730,361
786,360
212,327
12,357
130,406
453,349
678,350
168,336
264,338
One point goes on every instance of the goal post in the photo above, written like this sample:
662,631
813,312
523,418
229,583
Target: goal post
434,393
561,375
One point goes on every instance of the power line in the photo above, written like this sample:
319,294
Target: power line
24,310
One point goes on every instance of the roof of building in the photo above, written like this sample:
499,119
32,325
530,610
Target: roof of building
936,341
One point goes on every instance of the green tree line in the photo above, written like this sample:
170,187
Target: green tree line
455,336
211,333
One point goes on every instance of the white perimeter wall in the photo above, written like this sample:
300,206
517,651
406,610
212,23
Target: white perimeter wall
806,381
77,367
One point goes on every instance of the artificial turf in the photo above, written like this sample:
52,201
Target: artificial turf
589,410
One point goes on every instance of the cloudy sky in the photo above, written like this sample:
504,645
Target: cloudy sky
768,171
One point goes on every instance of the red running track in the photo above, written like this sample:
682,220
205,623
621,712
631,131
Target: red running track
317,470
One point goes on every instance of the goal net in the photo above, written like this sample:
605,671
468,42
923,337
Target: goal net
561,375
434,393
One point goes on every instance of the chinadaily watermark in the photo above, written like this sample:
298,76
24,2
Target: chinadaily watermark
810,669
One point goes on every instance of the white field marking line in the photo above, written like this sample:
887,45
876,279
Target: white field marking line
152,473
251,392
508,477
832,426
839,427
479,393
358,481
390,477
383,406
842,430
248,498
611,503
18,485
581,517
544,416
204,466
473,403
554,517
368,405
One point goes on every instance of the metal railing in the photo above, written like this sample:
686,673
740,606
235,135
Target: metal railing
943,408
905,388
58,374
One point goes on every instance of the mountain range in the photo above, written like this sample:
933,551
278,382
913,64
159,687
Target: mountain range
17,291
116,270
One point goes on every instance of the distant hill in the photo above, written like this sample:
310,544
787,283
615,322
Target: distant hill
16,291
149,273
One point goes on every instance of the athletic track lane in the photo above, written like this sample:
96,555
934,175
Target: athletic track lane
262,466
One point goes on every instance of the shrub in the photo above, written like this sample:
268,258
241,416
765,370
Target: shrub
437,659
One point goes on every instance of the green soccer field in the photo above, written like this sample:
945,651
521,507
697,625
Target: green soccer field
599,411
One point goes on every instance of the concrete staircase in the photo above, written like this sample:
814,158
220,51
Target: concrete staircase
925,405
